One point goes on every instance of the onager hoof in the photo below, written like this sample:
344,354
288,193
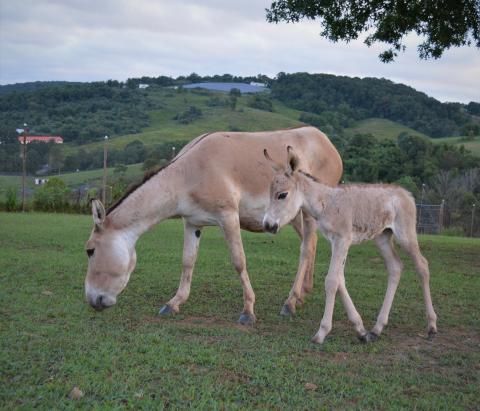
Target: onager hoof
246,319
368,337
431,334
166,310
316,339
287,311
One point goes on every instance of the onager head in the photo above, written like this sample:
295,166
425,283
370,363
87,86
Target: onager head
111,260
285,196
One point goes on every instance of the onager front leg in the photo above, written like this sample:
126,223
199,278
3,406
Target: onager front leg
191,241
332,282
231,230
306,228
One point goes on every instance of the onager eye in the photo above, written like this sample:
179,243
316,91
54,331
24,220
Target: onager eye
90,252
282,196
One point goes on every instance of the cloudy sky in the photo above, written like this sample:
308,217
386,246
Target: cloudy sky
87,40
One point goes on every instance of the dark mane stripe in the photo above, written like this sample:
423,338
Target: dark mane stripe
308,175
147,176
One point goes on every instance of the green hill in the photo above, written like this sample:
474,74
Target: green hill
472,145
381,128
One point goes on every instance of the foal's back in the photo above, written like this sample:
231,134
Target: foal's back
369,209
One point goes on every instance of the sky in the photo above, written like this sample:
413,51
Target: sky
92,40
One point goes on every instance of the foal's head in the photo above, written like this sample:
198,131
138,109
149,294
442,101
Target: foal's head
111,260
285,196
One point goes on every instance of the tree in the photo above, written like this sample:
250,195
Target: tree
233,96
442,23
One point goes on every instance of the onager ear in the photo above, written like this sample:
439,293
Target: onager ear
293,161
98,212
276,167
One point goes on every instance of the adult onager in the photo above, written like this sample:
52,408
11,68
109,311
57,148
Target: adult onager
349,215
218,179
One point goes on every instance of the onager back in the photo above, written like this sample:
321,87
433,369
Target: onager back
349,215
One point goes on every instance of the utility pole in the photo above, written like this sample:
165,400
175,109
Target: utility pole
24,163
105,153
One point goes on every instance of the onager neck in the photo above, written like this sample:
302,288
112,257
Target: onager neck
318,194
152,202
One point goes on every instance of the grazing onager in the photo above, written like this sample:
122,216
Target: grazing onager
349,215
218,179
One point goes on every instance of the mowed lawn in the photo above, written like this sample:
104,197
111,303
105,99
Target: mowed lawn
128,357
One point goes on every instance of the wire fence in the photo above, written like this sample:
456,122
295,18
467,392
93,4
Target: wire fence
440,219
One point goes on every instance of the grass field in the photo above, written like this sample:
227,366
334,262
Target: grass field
381,128
129,358
72,180
473,146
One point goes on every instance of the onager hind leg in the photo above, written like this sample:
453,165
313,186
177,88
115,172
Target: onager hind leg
395,267
231,230
408,241
191,241
305,227
332,282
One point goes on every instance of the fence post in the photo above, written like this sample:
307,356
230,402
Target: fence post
440,217
471,224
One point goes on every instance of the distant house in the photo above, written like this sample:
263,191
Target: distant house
41,139
254,83
41,181
143,85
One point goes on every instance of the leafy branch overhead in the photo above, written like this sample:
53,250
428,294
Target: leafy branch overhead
441,24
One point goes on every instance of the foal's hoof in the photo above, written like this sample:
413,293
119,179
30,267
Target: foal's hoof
287,311
368,337
246,319
431,335
166,310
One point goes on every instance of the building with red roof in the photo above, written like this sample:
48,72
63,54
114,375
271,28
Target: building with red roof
42,139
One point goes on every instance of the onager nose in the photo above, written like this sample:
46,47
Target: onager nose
98,303
270,228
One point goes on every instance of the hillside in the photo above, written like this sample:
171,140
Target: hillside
380,128
339,100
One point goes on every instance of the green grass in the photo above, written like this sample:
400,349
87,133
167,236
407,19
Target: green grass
473,146
164,128
381,128
72,180
129,358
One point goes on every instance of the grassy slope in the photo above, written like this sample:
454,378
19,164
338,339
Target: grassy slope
128,357
164,128
381,128
473,146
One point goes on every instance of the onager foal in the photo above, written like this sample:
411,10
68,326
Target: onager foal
349,215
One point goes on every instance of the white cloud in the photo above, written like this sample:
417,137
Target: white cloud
86,40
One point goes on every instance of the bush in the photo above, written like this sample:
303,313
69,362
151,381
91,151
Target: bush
12,202
53,196
261,102
189,115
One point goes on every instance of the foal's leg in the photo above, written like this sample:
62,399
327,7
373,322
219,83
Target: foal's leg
352,312
409,243
231,229
191,240
332,282
394,266
306,229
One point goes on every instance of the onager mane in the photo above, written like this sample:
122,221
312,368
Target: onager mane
152,173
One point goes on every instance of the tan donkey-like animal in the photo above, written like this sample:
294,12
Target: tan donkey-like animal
348,215
219,179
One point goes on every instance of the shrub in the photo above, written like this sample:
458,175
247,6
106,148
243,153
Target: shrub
53,196
11,203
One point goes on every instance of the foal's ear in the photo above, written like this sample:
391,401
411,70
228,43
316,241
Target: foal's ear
98,212
293,161
276,167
